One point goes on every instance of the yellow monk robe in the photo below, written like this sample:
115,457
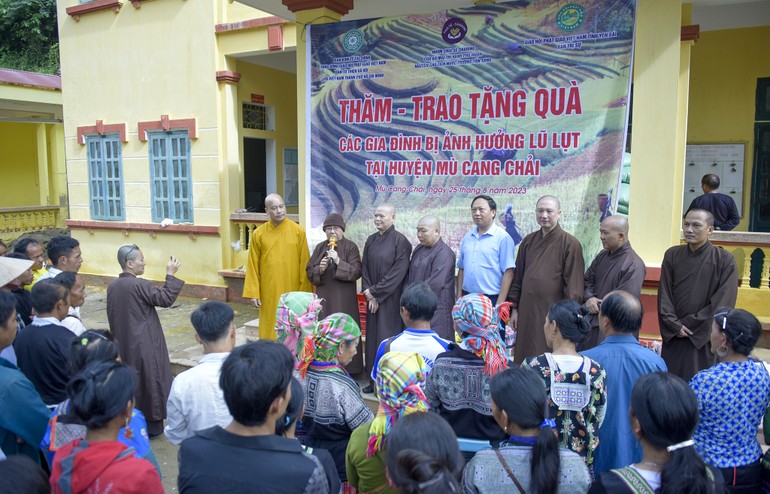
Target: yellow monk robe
278,256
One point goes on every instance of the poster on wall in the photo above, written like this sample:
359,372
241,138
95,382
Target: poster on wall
515,100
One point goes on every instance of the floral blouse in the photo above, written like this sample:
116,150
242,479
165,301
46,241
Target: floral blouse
577,431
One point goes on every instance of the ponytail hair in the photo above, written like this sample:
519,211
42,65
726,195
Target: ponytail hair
100,392
423,456
572,320
667,411
521,394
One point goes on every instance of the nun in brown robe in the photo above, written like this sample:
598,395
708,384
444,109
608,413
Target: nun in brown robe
549,268
693,285
337,285
385,265
433,262
133,320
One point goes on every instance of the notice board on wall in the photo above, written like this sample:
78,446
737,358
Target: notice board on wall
726,160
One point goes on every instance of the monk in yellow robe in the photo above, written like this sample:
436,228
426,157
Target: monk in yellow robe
278,254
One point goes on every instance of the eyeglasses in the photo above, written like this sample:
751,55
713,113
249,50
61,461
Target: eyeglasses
133,248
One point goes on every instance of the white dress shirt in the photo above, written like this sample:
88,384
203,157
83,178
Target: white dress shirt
196,401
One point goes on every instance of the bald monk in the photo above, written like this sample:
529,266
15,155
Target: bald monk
616,267
433,262
278,255
384,267
549,268
696,279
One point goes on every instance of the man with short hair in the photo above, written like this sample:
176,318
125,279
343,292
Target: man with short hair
486,259
64,253
196,402
247,455
616,267
433,262
549,268
42,349
384,267
34,251
721,206
696,279
131,313
418,304
625,360
278,256
23,415
77,287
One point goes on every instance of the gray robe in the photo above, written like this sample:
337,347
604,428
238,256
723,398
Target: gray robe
384,267
131,303
435,266
610,271
693,285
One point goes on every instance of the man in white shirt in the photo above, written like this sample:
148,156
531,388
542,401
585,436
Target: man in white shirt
64,253
418,304
77,287
196,401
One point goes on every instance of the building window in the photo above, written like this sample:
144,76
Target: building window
105,177
257,117
290,176
170,177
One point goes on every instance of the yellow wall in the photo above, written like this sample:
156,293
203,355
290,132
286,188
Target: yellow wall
272,84
134,66
724,71
18,165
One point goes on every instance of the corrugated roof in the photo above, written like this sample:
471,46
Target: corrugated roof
33,79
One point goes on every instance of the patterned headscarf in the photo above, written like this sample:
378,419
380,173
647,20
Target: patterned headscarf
322,345
400,379
296,317
474,314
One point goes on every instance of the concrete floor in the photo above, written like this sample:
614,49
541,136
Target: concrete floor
184,352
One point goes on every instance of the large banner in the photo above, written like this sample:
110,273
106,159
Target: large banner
515,100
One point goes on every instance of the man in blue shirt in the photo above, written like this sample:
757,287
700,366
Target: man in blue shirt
624,360
722,206
486,254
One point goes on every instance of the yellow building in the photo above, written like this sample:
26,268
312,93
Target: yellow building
225,83
31,153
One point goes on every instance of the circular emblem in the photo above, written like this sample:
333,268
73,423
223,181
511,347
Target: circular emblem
571,16
353,41
454,30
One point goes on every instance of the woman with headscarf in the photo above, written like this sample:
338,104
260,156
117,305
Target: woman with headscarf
333,403
296,318
458,386
399,382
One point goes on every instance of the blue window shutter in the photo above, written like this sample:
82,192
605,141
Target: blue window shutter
105,177
171,176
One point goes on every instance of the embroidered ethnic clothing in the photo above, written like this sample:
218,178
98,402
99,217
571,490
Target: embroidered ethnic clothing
577,430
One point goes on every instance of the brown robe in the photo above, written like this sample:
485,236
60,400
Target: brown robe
548,269
693,285
337,286
131,303
610,271
435,266
385,266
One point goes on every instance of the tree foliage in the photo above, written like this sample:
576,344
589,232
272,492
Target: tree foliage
29,36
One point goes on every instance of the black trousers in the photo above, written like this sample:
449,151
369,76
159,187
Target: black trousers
743,480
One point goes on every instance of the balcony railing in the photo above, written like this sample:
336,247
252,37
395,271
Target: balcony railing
246,223
15,221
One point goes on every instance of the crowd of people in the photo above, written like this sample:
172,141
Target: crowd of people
522,373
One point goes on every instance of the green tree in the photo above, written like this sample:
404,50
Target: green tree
29,36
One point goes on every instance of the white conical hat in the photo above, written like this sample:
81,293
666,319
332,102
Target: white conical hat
11,268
